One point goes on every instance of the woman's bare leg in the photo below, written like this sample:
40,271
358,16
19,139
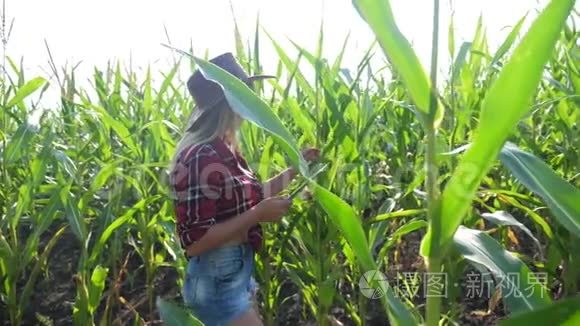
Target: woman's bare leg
251,317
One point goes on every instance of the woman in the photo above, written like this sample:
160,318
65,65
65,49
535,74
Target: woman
219,205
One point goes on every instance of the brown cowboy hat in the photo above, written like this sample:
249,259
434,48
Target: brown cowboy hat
207,93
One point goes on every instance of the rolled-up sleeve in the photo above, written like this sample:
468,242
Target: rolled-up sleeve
199,184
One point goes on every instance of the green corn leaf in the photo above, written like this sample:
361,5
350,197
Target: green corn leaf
104,175
478,48
505,104
293,69
65,162
521,289
24,203
245,102
379,15
45,219
96,286
338,61
76,221
38,267
508,42
166,84
533,216
174,315
376,234
562,198
30,87
302,119
319,44
99,180
240,51
117,126
405,229
451,37
505,218
18,145
265,160
117,223
256,61
459,61
80,311
39,165
147,95
6,252
562,313
344,216
347,221
401,213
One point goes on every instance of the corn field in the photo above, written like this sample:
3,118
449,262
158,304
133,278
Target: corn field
475,181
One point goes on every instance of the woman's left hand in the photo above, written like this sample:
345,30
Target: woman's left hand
311,154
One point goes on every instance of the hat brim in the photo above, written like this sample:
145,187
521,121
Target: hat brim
200,111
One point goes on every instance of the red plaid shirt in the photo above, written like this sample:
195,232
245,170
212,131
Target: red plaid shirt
212,183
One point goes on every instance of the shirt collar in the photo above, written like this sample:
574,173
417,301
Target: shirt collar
232,157
224,150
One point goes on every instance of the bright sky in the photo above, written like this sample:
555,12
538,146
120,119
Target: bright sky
97,31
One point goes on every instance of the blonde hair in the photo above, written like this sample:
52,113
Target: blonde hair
219,121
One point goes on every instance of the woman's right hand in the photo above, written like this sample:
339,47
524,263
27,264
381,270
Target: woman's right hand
273,208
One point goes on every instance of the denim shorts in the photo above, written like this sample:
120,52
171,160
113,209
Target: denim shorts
219,285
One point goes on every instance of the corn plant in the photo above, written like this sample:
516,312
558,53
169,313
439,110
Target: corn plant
29,206
483,164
